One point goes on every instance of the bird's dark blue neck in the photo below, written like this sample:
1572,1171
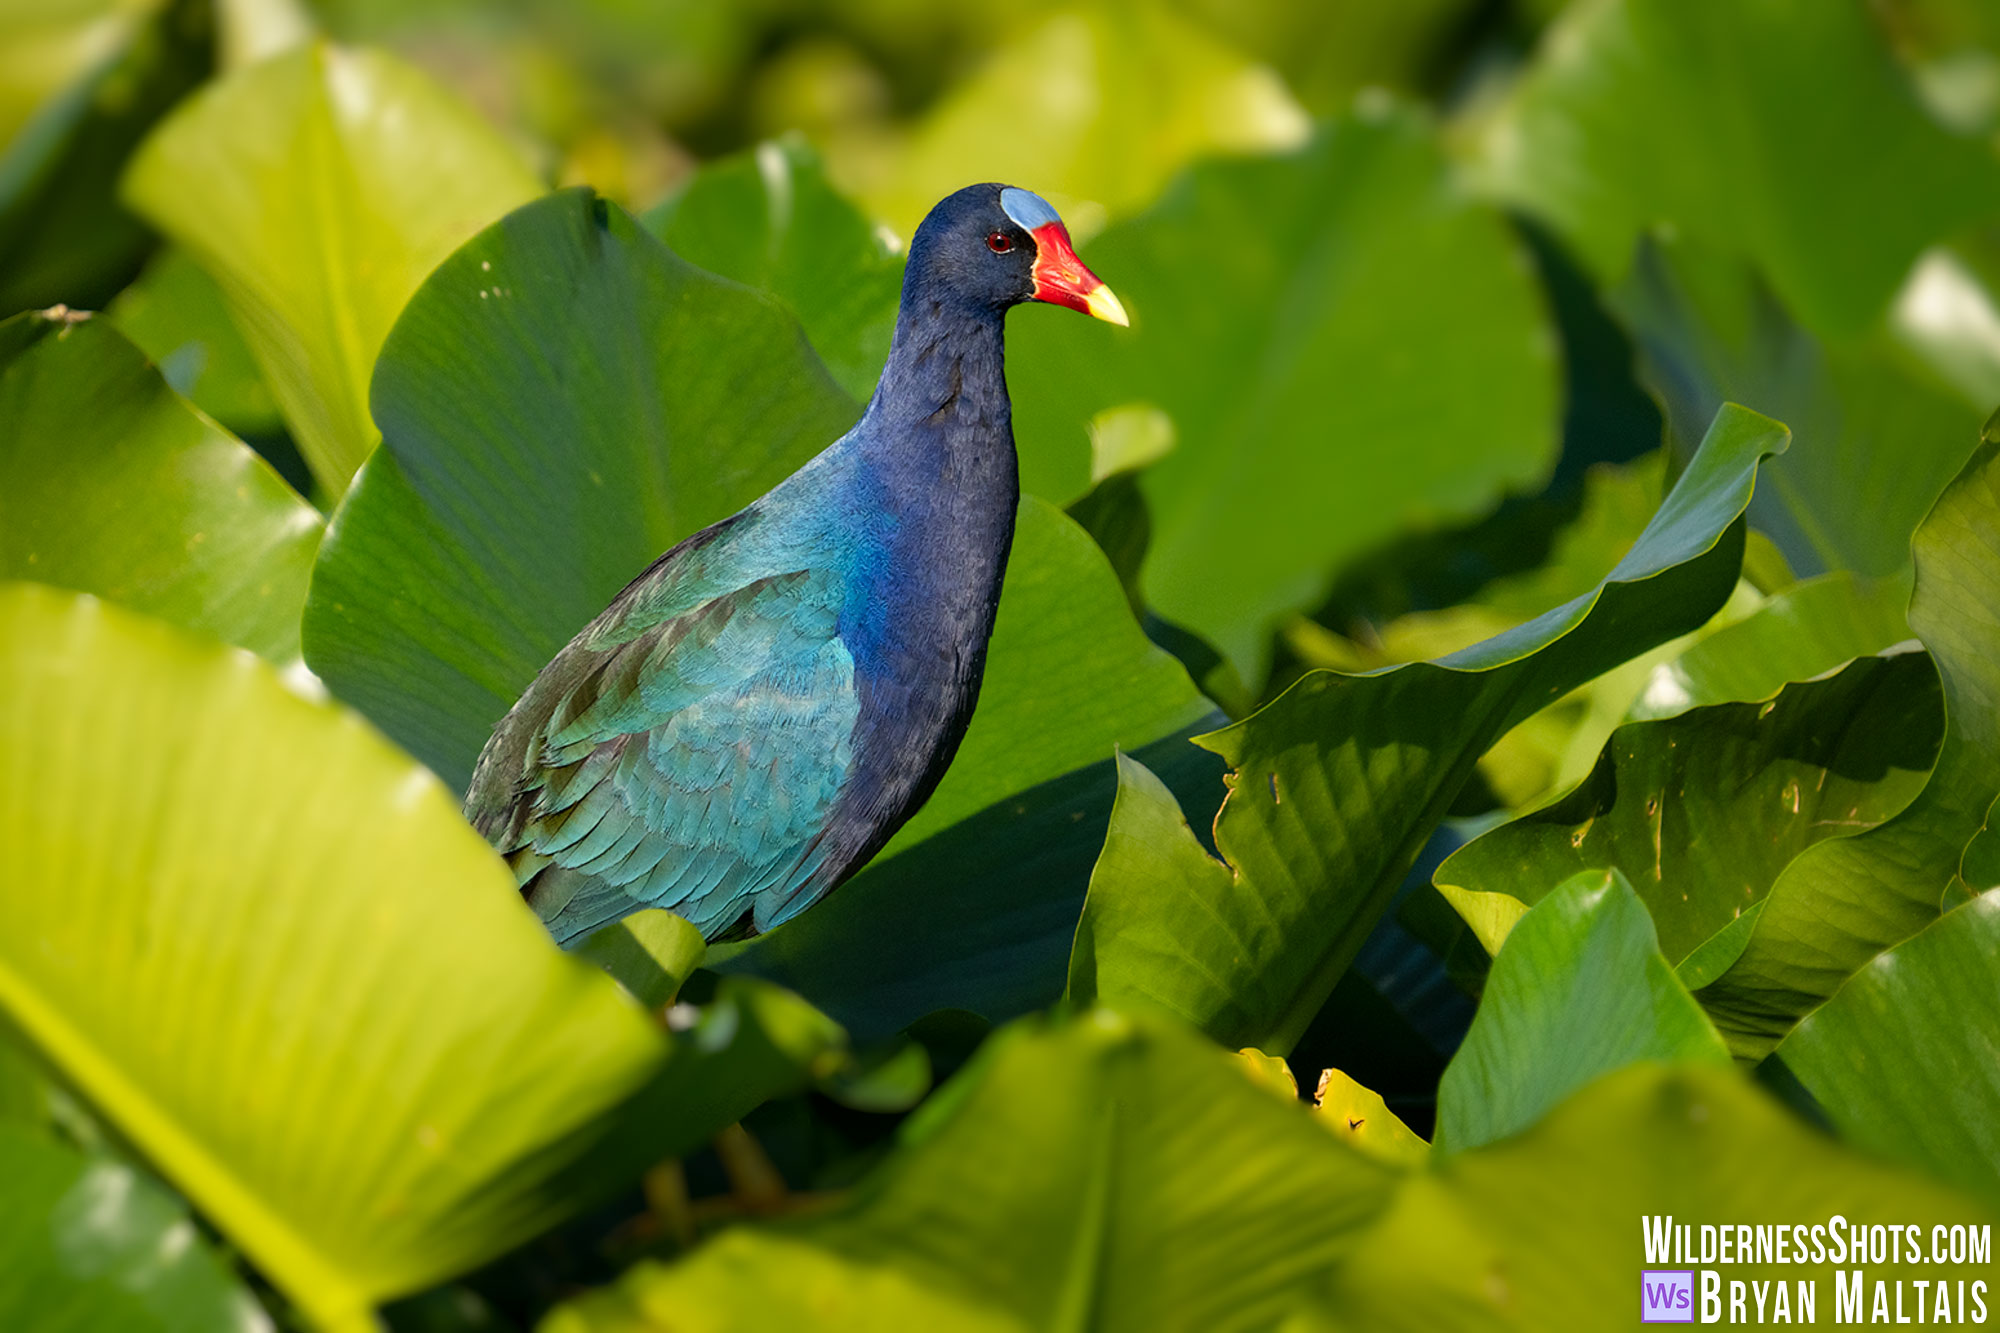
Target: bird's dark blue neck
937,445
945,382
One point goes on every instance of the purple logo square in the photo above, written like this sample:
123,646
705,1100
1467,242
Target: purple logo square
1666,1297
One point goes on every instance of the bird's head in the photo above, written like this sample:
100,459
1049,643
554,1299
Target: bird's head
995,246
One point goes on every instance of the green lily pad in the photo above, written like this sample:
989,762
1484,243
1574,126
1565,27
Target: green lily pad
265,947
319,188
1150,894
111,484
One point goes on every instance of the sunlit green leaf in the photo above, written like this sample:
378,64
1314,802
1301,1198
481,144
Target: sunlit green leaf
1128,1177
1842,902
1713,118
111,484
89,1244
650,953
1702,812
1902,1056
265,946
318,188
1278,308
1579,990
1340,781
1358,1116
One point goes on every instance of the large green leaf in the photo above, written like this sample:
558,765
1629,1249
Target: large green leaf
91,1246
1547,1230
1842,902
563,400
80,83
1278,305
1579,990
1714,118
1110,1173
319,187
111,484
1902,1056
1702,812
1095,106
1877,433
769,219
264,945
1340,781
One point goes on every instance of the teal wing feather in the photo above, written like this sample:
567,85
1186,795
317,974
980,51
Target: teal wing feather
682,752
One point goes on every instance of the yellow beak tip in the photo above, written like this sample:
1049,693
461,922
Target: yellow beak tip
1106,306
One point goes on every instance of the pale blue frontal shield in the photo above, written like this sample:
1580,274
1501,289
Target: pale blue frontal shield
1028,209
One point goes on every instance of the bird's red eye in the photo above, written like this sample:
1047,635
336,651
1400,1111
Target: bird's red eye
999,243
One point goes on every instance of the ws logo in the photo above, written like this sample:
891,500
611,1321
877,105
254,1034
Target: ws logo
1666,1298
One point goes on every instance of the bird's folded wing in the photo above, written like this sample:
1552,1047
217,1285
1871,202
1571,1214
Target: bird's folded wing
688,764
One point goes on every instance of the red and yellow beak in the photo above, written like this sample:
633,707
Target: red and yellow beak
1061,279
